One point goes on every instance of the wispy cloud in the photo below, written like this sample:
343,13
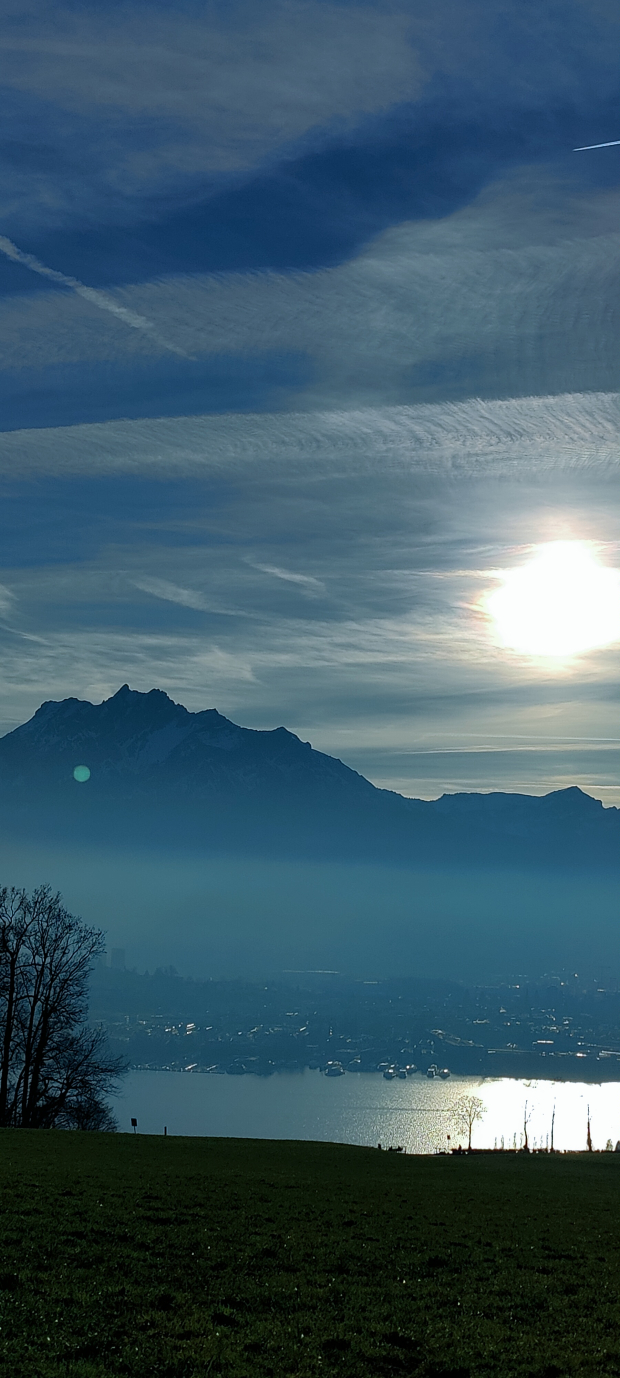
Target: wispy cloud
307,581
7,601
167,97
162,101
248,78
172,593
507,297
102,300
578,432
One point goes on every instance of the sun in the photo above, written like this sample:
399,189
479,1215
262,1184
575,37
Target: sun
560,604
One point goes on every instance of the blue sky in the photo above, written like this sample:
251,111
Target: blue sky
309,326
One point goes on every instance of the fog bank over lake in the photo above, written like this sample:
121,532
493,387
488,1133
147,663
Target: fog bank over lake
233,917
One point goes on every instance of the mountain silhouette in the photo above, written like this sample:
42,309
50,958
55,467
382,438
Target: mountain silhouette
165,777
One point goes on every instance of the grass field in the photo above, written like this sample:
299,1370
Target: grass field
196,1257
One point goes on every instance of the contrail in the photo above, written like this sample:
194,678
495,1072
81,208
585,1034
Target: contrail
584,147
91,294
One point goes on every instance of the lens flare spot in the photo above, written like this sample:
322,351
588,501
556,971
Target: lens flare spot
560,604
81,774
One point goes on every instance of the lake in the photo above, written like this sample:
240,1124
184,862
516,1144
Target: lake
364,1108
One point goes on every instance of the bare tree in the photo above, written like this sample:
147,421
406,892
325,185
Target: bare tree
468,1111
526,1120
54,1069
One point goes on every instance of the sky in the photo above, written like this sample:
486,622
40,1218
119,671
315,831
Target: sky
308,334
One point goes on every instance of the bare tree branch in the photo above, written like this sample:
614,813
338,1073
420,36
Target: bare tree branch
54,1069
468,1111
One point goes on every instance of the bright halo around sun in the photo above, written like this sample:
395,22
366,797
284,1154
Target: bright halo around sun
560,604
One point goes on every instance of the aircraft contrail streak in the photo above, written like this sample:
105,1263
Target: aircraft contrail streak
91,294
584,147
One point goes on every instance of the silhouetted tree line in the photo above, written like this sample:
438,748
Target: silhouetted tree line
55,1071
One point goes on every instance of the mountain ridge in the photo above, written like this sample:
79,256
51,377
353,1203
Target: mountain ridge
168,774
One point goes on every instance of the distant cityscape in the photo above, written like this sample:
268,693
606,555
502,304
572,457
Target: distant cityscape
561,1028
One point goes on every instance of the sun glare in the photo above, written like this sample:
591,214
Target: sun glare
563,602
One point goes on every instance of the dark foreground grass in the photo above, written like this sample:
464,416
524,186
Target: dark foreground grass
196,1257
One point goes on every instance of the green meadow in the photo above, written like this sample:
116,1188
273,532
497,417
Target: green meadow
192,1257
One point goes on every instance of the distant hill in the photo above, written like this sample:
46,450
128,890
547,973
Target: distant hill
162,776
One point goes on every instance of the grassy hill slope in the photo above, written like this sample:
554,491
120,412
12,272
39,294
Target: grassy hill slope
184,1258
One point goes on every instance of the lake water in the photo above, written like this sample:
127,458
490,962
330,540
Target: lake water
363,1108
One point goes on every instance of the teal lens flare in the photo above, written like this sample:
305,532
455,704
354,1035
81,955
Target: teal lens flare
81,773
